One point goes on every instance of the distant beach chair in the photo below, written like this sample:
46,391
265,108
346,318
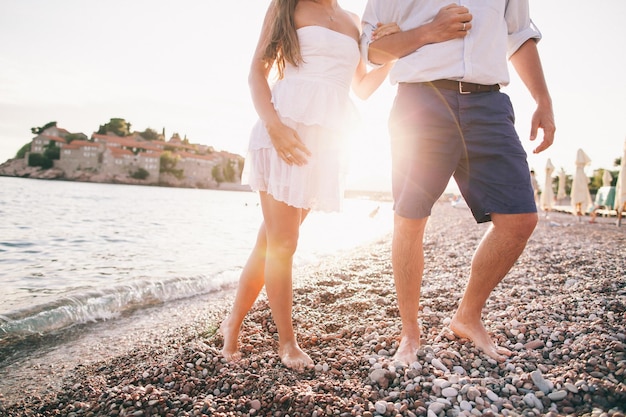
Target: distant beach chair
605,200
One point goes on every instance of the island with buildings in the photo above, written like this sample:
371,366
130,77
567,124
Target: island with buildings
142,158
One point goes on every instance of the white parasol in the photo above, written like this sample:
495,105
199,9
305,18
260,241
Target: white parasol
620,187
547,196
580,196
607,178
561,192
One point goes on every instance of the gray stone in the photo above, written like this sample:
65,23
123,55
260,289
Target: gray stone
557,395
381,407
540,382
439,365
465,405
436,407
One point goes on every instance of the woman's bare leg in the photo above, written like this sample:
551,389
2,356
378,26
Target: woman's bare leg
251,282
282,224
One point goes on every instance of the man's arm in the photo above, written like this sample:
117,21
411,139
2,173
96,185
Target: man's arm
527,64
451,22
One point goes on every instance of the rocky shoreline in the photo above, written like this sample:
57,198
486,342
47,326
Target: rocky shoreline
18,168
561,310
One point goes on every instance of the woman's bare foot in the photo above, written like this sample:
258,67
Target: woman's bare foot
407,351
293,357
477,333
230,350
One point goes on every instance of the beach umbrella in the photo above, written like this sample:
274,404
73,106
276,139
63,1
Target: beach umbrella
580,197
547,196
620,187
606,178
561,192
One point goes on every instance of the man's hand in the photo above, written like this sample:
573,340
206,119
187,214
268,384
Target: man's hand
451,22
528,66
543,118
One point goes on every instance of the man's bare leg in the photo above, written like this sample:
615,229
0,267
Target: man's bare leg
407,256
501,246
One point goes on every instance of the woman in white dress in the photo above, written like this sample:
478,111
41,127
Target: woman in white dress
296,153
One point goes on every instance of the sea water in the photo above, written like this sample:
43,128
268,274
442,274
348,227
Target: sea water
76,253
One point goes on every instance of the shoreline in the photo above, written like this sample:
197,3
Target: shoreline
561,310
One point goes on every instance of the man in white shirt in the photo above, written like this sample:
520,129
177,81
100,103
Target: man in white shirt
450,119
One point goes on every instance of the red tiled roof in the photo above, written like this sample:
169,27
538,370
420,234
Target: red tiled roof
150,155
188,155
78,144
118,152
127,142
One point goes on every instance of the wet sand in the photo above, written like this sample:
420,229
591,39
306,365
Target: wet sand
561,310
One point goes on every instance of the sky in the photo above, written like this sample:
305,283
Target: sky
182,66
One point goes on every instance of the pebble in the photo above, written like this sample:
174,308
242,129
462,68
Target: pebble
540,382
449,392
436,407
492,396
473,394
557,395
439,365
381,407
532,401
255,405
534,344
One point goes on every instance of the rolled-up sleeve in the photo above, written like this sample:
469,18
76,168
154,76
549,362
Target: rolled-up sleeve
520,26
368,24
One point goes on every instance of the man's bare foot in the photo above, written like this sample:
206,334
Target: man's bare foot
294,358
407,351
477,333
230,350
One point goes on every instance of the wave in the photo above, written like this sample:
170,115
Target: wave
45,320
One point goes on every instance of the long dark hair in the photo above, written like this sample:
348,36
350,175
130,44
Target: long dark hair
283,46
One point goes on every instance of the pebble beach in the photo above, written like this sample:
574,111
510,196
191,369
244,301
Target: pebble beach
561,310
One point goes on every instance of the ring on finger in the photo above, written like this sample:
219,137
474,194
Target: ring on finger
463,27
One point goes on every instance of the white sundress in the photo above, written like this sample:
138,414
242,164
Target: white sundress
313,99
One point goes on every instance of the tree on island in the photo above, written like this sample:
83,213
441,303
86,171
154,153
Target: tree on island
150,134
228,171
39,130
117,126
45,161
22,152
168,165
140,174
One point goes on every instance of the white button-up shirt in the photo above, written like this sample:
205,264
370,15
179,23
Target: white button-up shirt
499,28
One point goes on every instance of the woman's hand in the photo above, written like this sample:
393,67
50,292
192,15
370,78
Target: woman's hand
288,145
384,29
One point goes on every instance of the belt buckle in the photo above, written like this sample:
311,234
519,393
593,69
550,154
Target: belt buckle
461,91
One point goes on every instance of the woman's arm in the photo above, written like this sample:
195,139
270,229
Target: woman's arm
285,140
364,83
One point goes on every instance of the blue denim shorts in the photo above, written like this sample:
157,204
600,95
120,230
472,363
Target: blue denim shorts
438,134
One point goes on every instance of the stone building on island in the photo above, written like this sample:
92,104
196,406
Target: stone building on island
131,159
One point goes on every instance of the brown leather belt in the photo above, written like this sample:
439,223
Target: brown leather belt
463,87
